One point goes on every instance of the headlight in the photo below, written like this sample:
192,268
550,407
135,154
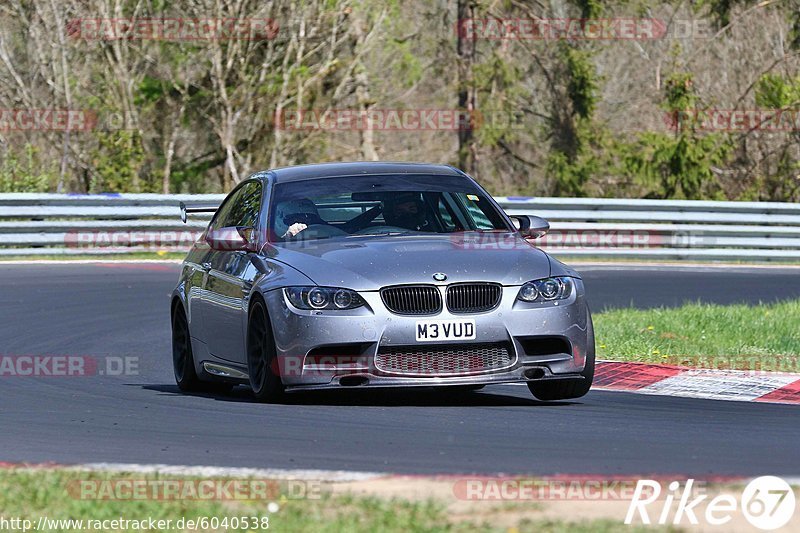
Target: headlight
547,289
320,298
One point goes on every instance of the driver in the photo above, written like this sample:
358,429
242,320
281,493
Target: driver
405,210
294,216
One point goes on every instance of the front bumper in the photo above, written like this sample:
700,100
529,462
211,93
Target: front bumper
546,340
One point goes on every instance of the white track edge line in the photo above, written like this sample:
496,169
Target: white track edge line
235,472
340,476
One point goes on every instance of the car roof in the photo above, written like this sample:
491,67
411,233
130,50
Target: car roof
331,170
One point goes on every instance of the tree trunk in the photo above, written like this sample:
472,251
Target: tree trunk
467,154
365,103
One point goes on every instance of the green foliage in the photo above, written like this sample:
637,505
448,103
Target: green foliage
679,93
151,90
499,84
543,102
721,9
678,165
117,161
26,172
590,8
775,92
409,69
794,32
582,86
570,176
571,163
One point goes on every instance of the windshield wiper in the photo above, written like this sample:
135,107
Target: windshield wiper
379,233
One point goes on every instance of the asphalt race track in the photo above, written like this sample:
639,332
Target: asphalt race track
122,310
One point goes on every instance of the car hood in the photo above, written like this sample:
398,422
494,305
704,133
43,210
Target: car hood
369,263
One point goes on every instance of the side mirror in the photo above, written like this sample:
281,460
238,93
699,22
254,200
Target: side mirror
232,239
531,227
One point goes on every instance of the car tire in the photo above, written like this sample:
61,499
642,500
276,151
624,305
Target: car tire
565,389
182,357
261,356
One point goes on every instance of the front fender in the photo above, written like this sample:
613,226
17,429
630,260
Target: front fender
557,268
277,276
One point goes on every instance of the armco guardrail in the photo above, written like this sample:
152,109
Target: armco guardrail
102,224
50,224
666,229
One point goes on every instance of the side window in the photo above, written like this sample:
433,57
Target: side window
248,205
477,209
241,208
224,210
445,215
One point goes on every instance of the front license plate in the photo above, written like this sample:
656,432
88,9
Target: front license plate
445,330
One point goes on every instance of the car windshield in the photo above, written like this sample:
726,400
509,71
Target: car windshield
380,205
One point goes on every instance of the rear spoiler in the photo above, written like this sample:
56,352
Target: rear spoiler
196,209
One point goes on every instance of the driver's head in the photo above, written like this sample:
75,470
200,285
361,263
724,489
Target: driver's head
404,210
293,211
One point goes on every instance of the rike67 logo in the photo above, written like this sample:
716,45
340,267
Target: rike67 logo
767,502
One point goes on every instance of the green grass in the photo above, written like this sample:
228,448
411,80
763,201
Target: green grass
760,337
579,259
30,494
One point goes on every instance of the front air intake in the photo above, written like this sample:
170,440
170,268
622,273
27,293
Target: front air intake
473,297
444,359
412,299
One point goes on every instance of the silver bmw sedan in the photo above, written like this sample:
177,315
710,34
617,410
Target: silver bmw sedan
356,275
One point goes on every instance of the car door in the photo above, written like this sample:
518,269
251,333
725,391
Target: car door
230,277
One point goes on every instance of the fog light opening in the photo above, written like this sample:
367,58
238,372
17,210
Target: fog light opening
534,373
353,381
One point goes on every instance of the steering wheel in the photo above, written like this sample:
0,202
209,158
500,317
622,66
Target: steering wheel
353,226
316,231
